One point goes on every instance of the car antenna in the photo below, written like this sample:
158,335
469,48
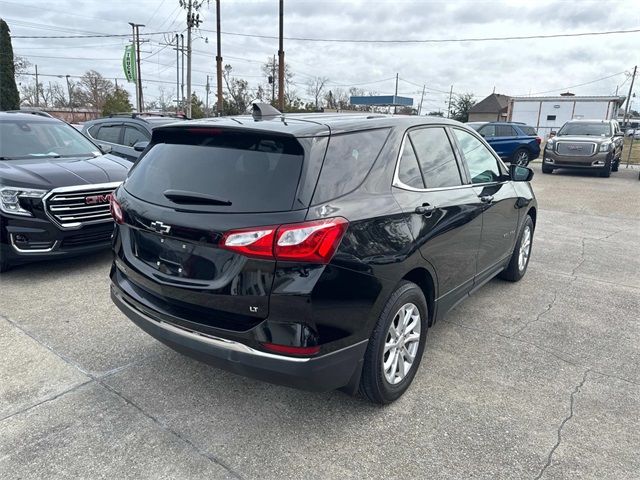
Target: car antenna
264,111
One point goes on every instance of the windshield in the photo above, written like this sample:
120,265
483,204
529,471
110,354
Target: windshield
595,129
44,139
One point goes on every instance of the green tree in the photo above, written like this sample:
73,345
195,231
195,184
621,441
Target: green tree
9,97
116,102
197,107
461,105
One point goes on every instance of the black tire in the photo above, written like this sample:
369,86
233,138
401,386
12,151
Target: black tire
374,385
605,172
514,272
546,169
521,157
616,165
4,266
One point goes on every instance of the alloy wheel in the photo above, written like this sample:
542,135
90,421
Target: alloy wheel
522,159
525,248
401,344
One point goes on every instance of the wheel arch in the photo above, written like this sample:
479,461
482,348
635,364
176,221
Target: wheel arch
533,213
423,278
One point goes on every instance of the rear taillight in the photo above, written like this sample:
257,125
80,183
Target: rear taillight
538,140
116,210
315,241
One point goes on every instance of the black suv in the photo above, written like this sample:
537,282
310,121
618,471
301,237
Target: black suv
314,250
126,134
55,187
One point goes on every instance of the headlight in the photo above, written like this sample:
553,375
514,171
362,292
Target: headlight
549,145
10,199
606,146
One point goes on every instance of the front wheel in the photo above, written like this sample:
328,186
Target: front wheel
546,169
520,157
520,257
396,345
606,170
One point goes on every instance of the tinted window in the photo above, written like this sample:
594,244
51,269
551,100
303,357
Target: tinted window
551,117
482,165
530,131
254,172
505,131
488,131
596,129
33,138
132,136
348,160
435,156
408,170
109,133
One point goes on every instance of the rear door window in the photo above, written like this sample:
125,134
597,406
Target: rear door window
109,133
347,162
436,158
505,131
231,171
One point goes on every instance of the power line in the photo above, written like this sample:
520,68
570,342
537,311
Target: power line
102,35
430,40
571,86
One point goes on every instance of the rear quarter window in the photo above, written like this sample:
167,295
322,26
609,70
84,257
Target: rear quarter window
348,160
530,131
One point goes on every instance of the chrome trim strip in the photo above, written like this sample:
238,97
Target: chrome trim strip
77,188
208,339
24,251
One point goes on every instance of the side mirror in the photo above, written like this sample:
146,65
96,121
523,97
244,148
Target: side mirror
140,146
105,148
520,174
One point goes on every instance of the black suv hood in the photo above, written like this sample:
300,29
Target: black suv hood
48,173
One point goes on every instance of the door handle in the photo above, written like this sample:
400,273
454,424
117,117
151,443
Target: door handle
425,209
486,198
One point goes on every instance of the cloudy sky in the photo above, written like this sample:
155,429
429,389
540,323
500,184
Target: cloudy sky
513,67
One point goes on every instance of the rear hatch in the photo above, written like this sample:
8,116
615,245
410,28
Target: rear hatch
193,185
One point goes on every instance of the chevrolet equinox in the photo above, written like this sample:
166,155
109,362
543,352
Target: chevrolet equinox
314,250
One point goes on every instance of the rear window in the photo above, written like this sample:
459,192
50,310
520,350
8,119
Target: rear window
245,172
529,130
349,158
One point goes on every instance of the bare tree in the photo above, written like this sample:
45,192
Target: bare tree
315,88
270,69
238,96
94,89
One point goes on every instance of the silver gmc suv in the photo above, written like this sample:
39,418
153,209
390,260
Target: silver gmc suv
585,144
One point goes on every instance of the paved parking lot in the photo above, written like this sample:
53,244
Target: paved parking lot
538,379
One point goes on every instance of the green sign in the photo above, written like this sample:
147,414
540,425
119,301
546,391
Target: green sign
129,64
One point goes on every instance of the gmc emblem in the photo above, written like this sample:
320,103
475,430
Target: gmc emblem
98,199
575,147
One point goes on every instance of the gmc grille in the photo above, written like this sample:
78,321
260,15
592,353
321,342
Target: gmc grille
73,207
576,149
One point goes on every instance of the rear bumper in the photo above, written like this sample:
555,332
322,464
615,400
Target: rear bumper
323,373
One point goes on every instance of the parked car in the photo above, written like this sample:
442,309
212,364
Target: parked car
514,142
54,190
585,144
314,250
633,132
126,133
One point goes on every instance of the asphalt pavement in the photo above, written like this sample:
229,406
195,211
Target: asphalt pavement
538,379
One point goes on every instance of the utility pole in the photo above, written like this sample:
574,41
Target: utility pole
206,103
37,89
218,63
281,61
136,42
273,80
449,107
395,97
69,93
189,25
182,58
626,108
177,73
421,99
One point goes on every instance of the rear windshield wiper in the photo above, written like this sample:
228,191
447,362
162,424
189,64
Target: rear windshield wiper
194,198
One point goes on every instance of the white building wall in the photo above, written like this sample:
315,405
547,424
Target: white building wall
540,113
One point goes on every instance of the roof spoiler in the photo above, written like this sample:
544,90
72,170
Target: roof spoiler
264,111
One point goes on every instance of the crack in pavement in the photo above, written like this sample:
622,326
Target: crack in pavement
576,390
582,260
540,315
98,378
